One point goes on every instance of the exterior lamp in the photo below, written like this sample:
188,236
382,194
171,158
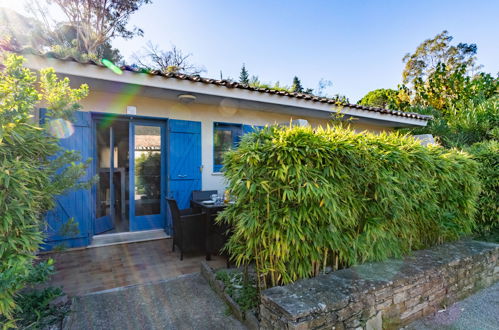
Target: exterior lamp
186,98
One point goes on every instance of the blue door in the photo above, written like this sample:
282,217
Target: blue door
147,184
69,223
104,190
184,155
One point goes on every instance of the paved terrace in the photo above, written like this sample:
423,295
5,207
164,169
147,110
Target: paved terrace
90,270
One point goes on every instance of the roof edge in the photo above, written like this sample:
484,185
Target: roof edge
231,84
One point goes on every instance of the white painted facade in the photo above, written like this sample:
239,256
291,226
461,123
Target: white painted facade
156,96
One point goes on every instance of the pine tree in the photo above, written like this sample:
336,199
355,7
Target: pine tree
296,87
244,76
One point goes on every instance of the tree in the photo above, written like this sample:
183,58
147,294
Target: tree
33,168
424,61
446,87
443,82
94,21
63,42
381,97
244,76
23,30
296,87
171,61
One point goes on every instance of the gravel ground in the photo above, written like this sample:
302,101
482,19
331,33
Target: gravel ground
186,302
477,312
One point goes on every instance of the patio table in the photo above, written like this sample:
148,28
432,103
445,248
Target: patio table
212,230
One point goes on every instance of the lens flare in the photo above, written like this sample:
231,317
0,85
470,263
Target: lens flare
111,66
60,128
228,107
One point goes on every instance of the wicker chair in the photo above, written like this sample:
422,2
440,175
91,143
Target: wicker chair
202,195
189,229
199,196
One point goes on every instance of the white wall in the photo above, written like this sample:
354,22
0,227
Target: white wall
226,111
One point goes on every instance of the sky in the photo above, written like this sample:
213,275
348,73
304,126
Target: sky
358,45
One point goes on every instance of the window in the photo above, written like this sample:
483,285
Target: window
225,138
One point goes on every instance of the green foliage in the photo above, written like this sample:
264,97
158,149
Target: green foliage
296,86
87,27
244,76
33,169
464,104
34,309
438,50
445,88
487,155
382,98
463,124
331,197
148,184
243,290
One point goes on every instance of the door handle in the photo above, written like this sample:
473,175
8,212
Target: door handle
182,175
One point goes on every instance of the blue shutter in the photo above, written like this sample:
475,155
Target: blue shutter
251,128
184,160
248,129
76,204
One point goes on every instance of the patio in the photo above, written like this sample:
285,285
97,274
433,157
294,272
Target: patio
89,270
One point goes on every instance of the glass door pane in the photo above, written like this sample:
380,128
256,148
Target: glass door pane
147,176
105,189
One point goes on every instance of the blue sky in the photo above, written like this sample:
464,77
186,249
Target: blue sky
358,45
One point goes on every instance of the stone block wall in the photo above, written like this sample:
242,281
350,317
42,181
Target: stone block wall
385,294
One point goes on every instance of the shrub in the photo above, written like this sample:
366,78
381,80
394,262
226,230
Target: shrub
487,156
35,308
463,124
310,199
33,169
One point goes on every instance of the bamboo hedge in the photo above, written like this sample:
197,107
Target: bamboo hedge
311,199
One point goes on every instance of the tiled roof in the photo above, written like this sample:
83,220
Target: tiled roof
233,84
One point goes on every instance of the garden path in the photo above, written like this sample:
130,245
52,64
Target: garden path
479,311
185,302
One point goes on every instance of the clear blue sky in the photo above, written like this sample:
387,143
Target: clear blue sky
358,45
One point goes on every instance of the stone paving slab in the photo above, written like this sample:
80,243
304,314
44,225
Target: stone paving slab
84,271
186,302
478,312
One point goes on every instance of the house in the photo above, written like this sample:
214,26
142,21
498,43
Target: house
152,135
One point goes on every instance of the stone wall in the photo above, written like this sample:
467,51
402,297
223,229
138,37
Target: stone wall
386,294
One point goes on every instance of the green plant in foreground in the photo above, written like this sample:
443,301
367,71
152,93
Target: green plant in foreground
308,199
34,308
243,291
33,169
487,217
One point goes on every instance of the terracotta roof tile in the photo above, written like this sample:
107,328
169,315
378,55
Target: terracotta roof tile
232,84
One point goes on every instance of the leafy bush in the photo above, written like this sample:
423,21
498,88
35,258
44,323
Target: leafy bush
469,125
241,288
487,217
463,124
381,97
148,184
310,199
35,307
33,169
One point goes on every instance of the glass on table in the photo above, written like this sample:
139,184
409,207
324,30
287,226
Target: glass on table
214,198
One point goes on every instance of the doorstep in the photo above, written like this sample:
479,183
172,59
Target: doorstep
127,237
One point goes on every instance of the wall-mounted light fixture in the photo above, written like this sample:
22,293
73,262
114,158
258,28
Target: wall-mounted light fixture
131,110
186,98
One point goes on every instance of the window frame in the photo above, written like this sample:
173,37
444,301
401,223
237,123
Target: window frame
237,132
